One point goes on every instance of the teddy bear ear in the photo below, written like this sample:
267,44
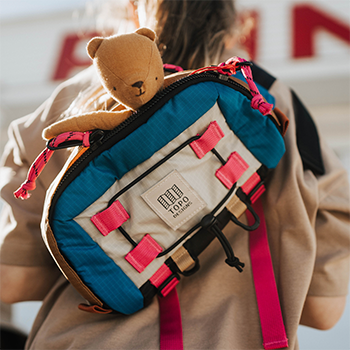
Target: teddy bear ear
149,33
93,46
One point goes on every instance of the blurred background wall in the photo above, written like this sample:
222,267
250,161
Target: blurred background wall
304,43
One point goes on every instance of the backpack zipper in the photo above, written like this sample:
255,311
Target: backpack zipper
105,139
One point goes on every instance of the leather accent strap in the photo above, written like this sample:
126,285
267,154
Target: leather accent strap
67,271
94,309
282,119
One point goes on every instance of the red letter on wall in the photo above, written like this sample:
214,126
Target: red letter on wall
68,59
307,20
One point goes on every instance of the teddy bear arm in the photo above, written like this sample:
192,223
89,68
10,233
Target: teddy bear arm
104,120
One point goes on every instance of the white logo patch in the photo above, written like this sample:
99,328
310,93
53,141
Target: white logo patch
174,200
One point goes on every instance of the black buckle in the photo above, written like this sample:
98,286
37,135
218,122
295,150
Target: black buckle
244,63
95,138
63,145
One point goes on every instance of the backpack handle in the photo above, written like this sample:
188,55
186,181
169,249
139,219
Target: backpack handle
251,227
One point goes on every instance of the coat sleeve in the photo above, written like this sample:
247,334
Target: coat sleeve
332,227
20,236
323,184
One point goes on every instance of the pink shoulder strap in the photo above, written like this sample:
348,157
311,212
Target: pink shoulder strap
272,326
170,322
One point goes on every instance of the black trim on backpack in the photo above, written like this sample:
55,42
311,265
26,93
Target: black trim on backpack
306,132
262,77
307,138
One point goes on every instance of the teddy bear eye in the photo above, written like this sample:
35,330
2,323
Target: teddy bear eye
114,88
156,78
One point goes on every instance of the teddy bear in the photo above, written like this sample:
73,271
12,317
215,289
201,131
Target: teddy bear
130,68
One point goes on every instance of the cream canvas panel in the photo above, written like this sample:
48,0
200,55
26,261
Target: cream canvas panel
199,174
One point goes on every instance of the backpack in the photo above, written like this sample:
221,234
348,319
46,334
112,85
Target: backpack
133,208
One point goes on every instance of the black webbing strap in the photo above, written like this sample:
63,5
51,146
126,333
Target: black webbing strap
306,132
307,138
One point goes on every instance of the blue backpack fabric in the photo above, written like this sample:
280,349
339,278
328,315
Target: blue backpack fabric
134,158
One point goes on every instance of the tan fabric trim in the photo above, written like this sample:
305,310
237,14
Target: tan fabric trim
81,151
240,82
236,206
68,272
169,79
182,259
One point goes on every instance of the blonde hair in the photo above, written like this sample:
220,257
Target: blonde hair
191,33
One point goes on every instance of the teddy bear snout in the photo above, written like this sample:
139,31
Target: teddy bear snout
138,84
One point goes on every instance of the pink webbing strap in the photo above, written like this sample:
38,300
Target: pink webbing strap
170,322
144,253
257,194
249,185
172,67
208,140
272,326
39,164
111,218
161,276
234,168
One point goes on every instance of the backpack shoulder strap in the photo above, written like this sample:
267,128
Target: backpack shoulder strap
306,132
170,322
272,326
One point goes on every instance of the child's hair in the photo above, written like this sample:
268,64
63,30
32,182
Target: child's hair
191,33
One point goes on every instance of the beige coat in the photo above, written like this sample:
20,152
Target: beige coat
308,228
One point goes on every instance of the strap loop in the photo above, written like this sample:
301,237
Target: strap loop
251,227
111,218
208,140
234,168
144,253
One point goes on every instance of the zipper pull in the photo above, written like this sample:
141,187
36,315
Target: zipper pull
96,138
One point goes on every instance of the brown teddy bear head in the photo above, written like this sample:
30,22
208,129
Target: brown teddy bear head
129,66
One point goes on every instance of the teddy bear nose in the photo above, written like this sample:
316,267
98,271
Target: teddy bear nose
138,84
